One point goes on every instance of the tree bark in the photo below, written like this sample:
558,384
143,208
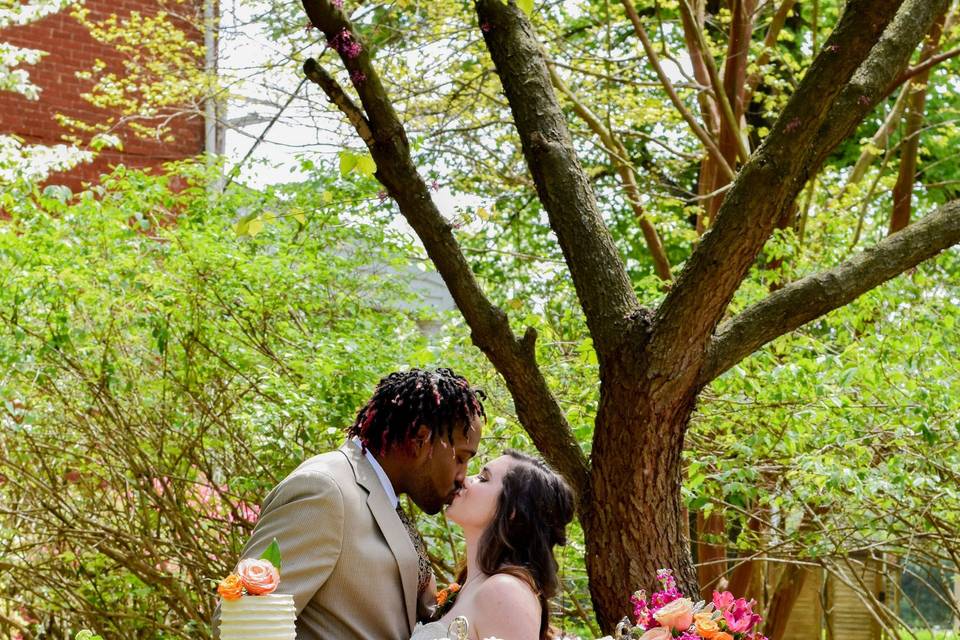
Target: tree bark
815,295
636,524
601,281
909,148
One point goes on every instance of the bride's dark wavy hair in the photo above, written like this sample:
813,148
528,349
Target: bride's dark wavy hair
533,510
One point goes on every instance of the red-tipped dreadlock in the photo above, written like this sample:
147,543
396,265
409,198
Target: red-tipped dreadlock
439,399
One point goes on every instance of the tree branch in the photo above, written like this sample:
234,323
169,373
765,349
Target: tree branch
621,162
654,59
813,296
319,76
537,408
870,84
923,66
603,287
765,187
773,32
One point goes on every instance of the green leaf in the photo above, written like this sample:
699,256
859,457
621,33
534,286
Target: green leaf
526,5
272,554
255,226
348,160
366,165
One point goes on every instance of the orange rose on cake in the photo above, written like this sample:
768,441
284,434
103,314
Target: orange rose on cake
231,587
259,577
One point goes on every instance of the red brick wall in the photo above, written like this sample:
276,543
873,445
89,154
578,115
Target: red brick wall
70,49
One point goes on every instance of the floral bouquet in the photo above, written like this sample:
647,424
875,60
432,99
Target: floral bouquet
253,577
668,615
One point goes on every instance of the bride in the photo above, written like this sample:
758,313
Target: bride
512,514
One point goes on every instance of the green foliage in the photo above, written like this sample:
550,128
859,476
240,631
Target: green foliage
162,374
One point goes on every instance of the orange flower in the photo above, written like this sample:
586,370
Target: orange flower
723,635
444,594
706,627
231,587
259,577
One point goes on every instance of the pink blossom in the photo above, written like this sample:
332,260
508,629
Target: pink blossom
345,44
357,77
723,600
740,616
337,3
485,27
248,513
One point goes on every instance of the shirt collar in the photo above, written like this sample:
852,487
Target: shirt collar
381,474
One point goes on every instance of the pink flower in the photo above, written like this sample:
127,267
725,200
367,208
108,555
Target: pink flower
657,633
345,44
259,577
678,614
337,3
722,600
740,616
248,513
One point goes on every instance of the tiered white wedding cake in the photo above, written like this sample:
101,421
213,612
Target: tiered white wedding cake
267,617
249,608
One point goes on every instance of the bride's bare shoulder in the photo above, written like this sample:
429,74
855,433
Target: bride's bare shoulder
505,606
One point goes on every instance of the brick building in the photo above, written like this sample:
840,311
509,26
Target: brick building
71,49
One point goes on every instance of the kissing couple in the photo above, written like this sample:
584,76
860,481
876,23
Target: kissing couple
352,559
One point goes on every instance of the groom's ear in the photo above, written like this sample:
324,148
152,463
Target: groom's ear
422,440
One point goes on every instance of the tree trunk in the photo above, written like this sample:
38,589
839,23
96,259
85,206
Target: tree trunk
711,552
635,526
788,590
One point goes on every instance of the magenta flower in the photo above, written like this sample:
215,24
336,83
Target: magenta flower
740,616
723,600
345,44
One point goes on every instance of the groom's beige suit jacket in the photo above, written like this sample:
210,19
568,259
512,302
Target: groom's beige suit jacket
346,557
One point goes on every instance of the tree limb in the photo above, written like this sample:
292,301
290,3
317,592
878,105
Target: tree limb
319,76
654,59
923,66
813,296
871,83
765,187
621,162
537,408
603,287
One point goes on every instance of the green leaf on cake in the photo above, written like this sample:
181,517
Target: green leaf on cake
272,554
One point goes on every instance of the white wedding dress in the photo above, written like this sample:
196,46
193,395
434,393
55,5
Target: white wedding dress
456,630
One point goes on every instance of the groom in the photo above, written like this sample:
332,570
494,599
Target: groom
354,563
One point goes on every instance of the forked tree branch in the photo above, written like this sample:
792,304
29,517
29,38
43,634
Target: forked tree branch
765,187
599,276
514,358
811,297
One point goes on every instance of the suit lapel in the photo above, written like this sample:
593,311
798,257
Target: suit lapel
390,526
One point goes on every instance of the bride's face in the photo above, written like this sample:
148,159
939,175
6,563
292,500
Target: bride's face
476,504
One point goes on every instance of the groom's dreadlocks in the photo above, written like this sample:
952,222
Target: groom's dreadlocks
403,401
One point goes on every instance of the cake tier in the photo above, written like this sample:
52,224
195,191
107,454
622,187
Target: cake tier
270,617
